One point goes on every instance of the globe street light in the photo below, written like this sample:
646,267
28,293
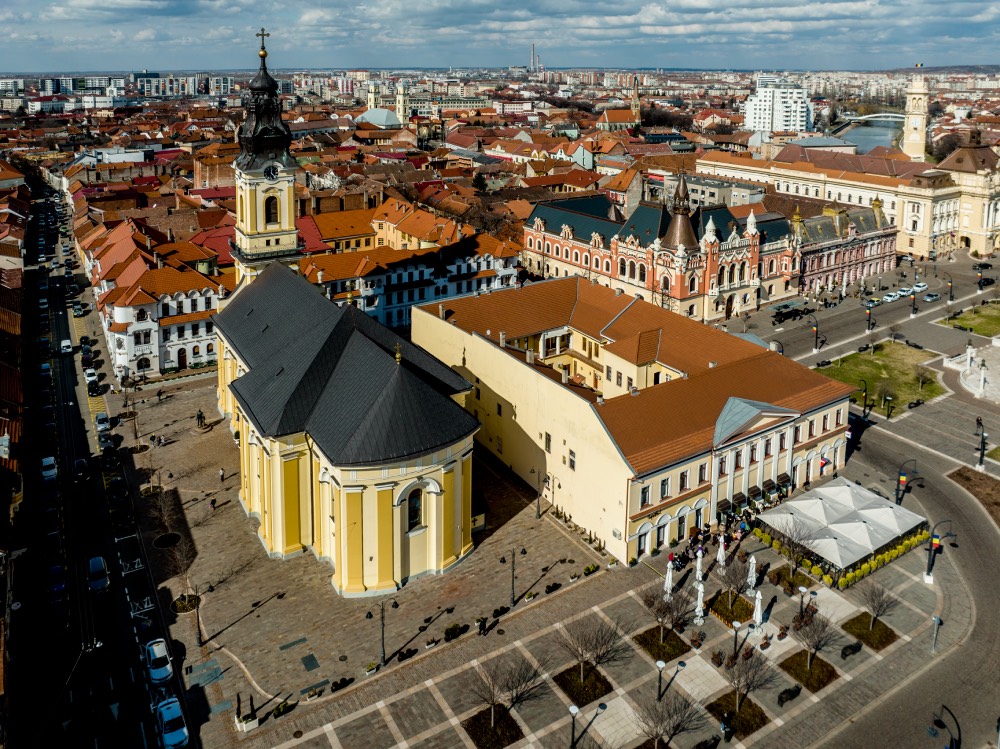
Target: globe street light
573,711
513,566
736,637
660,665
381,613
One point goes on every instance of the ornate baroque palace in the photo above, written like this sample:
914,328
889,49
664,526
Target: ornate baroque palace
352,445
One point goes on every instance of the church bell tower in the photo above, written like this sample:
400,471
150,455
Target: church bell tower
915,124
265,180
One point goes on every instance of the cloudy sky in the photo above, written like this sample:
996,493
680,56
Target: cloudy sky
129,35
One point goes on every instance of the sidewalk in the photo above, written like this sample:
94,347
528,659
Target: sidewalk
276,629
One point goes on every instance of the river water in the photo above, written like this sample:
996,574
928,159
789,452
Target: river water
870,134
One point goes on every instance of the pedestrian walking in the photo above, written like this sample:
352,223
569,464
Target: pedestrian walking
482,625
159,441
222,475
979,423
159,395
212,503
152,440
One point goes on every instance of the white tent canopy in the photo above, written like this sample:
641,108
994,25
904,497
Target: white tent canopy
843,522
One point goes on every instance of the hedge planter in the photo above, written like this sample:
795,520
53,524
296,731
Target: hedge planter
246,724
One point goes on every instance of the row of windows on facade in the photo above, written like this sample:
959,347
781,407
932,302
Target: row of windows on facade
829,195
750,453
571,455
195,331
180,307
420,274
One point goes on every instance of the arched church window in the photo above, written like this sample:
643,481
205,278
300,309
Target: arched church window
414,510
271,210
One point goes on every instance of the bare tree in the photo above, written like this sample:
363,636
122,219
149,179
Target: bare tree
595,641
877,599
885,389
179,559
733,578
923,375
747,675
872,338
668,614
667,718
893,332
816,634
795,535
508,680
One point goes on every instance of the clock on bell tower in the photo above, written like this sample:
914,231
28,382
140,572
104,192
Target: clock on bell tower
265,180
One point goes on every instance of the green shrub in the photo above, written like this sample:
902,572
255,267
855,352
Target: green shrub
828,580
765,539
866,569
785,551
757,532
851,577
776,545
816,570
893,555
452,632
842,583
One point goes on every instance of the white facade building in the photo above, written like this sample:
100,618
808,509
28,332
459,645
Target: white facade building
777,105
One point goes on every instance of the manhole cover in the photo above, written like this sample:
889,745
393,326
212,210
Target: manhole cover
167,540
297,735
500,632
570,561
343,658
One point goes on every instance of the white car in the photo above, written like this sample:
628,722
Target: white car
49,469
158,660
919,287
90,375
170,723
905,291
892,296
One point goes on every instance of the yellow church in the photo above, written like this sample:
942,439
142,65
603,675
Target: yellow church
352,444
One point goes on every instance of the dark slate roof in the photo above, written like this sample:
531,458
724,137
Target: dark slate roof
585,215
331,372
828,228
720,216
649,221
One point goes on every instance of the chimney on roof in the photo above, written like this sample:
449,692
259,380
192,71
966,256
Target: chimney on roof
441,311
159,260
503,339
149,242
319,276
529,355
565,375
600,400
713,364
618,292
633,391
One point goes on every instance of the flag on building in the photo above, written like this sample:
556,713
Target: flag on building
936,542
919,65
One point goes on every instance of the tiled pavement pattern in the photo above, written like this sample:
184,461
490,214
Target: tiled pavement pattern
269,623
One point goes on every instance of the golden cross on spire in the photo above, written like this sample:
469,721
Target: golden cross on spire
262,35
399,352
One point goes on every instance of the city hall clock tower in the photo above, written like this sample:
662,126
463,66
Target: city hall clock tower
915,125
265,180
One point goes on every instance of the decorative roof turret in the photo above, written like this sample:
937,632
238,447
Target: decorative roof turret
264,136
681,233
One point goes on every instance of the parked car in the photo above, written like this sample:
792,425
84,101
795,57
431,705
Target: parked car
93,388
982,266
110,459
84,341
66,346
102,421
118,489
81,469
50,470
105,441
905,259
920,287
43,348
90,375
170,724
932,297
157,659
77,309
97,575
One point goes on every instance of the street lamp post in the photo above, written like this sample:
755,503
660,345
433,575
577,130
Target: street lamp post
513,565
660,665
381,613
933,547
936,621
902,479
913,303
573,712
538,492
815,327
736,637
951,290
864,396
